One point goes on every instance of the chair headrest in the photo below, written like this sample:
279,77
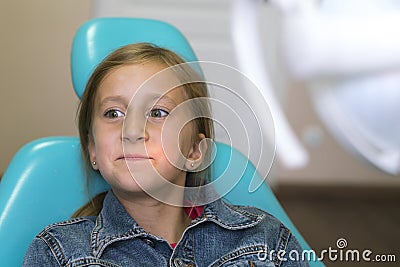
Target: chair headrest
97,38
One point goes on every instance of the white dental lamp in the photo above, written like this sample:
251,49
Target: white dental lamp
348,51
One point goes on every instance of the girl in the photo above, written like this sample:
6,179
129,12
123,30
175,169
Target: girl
149,145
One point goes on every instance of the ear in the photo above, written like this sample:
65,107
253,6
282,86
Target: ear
92,152
196,153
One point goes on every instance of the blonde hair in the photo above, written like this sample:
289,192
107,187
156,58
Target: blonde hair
139,53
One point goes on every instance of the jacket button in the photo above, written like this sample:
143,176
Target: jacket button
178,262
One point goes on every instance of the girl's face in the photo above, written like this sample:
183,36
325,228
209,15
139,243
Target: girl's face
143,143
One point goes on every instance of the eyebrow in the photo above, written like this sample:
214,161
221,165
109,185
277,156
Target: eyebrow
154,99
114,98
166,98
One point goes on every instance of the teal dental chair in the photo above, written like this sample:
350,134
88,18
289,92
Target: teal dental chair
45,181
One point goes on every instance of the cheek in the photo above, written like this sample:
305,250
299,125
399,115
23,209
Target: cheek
167,148
106,142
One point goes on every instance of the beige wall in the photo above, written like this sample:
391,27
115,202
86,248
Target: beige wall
36,95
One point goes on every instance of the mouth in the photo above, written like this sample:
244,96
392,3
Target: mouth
134,157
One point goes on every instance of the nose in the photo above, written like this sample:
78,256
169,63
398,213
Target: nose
134,129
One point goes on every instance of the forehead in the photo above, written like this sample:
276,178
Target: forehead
141,81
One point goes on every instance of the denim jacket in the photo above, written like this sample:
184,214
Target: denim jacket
224,235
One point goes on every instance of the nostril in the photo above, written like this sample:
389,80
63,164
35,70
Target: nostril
127,138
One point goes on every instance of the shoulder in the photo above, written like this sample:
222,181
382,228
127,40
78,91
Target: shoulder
75,227
68,235
57,240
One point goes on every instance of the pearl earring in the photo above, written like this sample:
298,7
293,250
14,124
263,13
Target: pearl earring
94,162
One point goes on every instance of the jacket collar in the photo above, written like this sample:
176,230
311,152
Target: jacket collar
114,223
229,216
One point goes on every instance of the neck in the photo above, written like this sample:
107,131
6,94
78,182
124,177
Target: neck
157,218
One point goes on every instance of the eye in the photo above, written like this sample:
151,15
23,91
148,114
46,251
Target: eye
113,114
158,113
